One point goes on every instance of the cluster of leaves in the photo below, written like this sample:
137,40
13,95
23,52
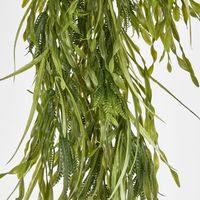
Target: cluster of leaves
87,66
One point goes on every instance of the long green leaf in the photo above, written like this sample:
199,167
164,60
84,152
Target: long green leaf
19,29
179,101
36,95
27,66
125,165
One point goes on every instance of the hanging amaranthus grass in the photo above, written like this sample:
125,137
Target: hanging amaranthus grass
87,66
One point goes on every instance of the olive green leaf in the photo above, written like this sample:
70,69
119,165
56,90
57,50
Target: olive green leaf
89,71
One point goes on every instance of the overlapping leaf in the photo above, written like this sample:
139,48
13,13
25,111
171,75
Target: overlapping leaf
86,66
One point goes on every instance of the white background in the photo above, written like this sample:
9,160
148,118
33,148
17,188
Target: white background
179,137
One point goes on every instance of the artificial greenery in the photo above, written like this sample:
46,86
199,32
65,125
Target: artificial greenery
88,69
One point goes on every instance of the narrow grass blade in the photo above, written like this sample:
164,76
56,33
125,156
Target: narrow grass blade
26,67
166,90
33,181
17,34
36,95
126,162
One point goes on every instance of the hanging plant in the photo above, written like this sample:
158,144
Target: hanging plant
88,68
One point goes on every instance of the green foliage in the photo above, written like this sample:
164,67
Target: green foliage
87,66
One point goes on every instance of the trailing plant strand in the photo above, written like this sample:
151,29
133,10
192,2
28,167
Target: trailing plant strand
87,70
